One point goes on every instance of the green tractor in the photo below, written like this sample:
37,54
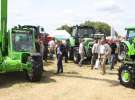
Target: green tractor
88,34
127,70
17,49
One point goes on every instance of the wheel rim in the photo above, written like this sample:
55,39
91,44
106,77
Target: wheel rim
125,75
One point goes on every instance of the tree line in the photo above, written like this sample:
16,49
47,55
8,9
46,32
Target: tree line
100,27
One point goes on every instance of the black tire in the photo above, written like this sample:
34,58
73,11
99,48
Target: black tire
76,58
36,72
126,81
70,54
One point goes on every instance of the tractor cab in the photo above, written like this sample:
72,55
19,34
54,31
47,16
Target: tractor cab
130,32
39,32
22,40
82,32
78,33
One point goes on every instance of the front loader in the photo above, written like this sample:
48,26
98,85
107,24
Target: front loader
17,49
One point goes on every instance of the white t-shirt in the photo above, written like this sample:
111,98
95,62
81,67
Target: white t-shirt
102,49
59,51
81,49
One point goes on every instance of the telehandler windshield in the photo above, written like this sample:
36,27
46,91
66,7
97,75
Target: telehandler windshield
22,42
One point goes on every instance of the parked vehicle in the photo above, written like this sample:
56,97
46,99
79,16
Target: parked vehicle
88,34
127,70
17,49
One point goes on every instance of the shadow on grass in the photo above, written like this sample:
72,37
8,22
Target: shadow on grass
111,82
9,79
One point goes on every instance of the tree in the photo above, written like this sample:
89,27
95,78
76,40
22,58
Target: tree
65,27
99,26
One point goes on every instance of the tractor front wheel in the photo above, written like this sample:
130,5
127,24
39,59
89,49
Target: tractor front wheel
125,76
36,71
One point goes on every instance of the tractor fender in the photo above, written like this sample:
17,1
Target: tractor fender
127,43
129,47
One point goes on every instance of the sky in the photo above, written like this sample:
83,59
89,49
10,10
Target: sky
53,13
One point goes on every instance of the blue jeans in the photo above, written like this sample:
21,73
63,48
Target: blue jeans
112,61
59,64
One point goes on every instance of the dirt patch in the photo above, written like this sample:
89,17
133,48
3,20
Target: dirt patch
76,83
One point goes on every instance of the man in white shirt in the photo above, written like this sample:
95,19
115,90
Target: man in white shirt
81,52
102,56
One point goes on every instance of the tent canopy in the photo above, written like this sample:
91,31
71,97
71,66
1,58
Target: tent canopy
60,34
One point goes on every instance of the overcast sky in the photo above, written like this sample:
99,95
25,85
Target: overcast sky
54,13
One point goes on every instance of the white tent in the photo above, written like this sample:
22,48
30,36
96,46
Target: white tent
60,34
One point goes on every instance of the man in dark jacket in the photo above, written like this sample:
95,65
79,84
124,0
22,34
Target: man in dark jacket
112,58
59,56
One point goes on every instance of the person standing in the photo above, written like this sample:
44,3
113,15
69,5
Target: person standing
65,52
59,60
42,49
37,45
108,52
117,52
45,48
112,59
94,53
52,46
102,56
81,52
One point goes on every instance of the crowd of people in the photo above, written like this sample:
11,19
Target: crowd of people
103,52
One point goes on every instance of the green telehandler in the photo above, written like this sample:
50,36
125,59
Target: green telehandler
17,49
127,69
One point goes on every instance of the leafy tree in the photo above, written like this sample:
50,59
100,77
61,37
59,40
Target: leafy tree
99,26
65,27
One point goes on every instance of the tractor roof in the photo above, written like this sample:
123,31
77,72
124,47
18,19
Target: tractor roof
130,28
21,30
83,27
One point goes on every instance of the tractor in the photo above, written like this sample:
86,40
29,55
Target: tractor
127,69
88,34
17,49
41,35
